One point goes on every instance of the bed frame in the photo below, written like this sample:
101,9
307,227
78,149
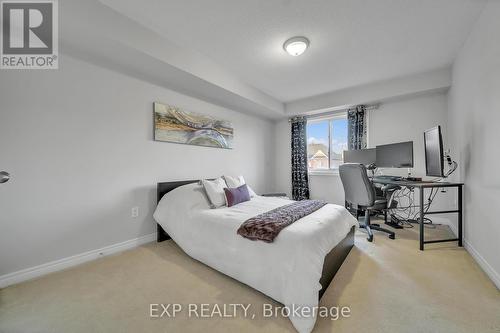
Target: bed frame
333,259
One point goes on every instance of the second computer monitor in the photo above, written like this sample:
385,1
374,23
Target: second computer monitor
395,155
434,157
363,156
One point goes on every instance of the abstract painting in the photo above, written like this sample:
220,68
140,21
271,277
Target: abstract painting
175,125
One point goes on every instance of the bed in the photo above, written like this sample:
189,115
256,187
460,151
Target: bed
307,253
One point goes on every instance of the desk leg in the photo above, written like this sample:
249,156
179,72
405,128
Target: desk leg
421,220
460,218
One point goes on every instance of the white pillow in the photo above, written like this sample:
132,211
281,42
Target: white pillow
215,191
233,182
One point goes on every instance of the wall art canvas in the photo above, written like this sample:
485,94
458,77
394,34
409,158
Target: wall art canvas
173,124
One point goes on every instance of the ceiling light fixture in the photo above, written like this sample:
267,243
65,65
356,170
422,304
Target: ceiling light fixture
295,46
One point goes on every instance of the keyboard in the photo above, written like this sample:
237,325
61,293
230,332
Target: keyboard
387,177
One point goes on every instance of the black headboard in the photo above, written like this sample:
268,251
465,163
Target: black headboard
161,190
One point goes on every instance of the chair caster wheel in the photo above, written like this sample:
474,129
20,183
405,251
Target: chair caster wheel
392,236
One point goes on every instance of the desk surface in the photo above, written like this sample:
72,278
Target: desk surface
419,184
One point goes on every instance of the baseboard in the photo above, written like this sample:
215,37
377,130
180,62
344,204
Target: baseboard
492,274
57,265
490,271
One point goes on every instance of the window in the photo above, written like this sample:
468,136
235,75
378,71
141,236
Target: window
326,141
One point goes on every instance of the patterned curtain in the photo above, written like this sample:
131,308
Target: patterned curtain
356,118
300,181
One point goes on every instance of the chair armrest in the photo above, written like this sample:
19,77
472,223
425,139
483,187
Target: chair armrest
274,195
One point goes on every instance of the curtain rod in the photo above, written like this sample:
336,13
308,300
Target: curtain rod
332,112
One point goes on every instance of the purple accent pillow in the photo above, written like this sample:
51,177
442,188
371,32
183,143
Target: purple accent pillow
236,195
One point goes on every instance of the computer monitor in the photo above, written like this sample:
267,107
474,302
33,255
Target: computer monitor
363,156
395,155
434,157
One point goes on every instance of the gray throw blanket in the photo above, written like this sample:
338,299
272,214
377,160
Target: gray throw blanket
268,225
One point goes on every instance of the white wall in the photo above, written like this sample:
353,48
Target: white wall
394,121
406,120
78,143
283,157
474,121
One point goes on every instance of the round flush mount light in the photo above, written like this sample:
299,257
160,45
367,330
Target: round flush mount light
295,46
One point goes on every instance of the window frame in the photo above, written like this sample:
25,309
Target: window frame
330,119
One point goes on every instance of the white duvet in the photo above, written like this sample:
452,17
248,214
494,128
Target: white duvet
287,270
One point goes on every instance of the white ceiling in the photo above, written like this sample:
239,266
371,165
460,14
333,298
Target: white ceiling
353,42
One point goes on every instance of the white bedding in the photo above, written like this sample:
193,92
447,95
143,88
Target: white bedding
287,270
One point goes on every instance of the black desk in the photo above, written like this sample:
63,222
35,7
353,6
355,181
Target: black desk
422,185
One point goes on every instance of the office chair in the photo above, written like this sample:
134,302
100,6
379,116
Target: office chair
359,192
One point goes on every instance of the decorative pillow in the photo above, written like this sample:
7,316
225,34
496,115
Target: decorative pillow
233,182
215,191
236,195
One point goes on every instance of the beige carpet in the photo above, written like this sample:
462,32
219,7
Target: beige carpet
389,285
